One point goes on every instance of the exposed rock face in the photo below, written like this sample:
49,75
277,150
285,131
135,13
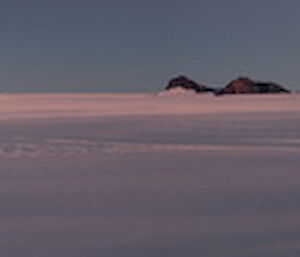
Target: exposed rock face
185,83
244,85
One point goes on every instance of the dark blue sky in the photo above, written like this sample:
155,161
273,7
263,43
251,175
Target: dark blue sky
137,45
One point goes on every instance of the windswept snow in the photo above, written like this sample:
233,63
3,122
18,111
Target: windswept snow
164,175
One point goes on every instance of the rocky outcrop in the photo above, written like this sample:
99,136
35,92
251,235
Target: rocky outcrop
245,85
185,83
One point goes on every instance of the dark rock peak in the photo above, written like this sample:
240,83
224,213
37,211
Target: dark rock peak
186,83
244,85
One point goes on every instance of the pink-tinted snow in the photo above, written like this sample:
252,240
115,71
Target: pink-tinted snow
164,175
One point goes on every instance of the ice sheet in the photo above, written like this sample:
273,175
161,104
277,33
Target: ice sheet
149,175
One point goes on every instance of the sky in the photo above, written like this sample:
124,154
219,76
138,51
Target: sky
138,45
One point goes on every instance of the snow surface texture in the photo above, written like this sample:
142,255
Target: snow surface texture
167,175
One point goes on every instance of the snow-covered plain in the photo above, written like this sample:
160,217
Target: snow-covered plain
149,175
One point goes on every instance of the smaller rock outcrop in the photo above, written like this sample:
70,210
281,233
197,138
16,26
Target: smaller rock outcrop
185,83
244,85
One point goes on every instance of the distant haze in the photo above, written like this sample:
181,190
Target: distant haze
138,45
